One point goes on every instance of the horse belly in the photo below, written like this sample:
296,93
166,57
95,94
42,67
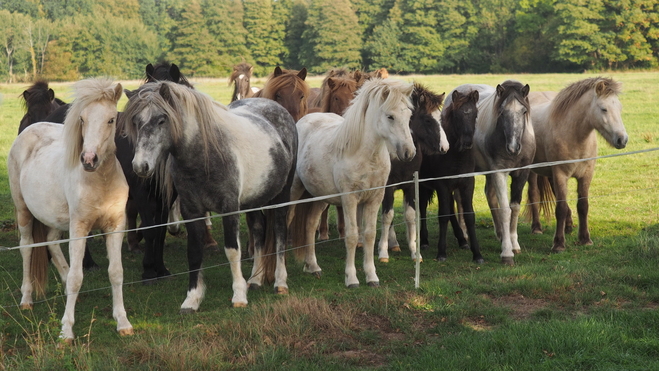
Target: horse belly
43,193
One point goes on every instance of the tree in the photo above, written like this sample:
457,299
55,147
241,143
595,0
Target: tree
225,25
578,38
422,49
37,34
265,34
383,47
294,29
332,37
193,47
11,36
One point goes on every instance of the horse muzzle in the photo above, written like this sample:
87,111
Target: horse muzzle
89,161
406,155
621,141
142,169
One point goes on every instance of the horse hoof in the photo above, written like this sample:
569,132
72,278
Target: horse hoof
516,252
536,231
395,249
239,305
441,258
425,247
27,306
557,249
318,274
506,260
479,261
68,342
211,245
127,332
465,247
91,267
374,284
323,237
568,229
353,286
587,242
185,311
281,290
255,286
384,260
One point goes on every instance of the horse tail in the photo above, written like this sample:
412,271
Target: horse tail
39,260
547,198
298,228
269,251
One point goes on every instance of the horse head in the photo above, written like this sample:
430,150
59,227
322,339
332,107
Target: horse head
240,76
459,119
338,95
513,108
425,121
39,101
165,71
288,88
605,109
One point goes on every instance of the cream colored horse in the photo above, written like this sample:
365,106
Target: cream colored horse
68,178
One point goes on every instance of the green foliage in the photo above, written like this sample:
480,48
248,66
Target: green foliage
264,23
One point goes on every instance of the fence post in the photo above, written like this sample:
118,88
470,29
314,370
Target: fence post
417,273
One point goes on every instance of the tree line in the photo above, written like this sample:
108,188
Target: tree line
71,39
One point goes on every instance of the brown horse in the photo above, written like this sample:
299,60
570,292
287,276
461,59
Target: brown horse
565,129
288,88
336,92
242,73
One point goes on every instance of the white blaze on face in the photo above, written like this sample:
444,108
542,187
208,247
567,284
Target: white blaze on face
443,140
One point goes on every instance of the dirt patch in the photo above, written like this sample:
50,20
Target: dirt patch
521,307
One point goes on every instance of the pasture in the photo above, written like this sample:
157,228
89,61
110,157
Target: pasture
588,308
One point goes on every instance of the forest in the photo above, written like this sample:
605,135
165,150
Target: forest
64,40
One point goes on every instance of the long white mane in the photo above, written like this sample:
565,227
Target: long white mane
389,94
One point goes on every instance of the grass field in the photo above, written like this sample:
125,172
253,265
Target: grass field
590,308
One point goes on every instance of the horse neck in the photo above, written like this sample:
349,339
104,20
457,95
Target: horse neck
357,136
575,122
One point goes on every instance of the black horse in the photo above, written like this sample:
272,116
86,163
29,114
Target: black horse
429,140
459,122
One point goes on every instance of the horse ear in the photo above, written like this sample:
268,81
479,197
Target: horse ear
26,94
500,90
166,93
129,93
303,73
600,88
525,90
475,95
149,70
118,90
357,75
455,95
51,95
278,71
441,99
331,83
175,73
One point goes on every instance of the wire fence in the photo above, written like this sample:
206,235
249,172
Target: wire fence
416,181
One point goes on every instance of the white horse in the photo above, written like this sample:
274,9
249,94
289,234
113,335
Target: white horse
350,153
504,139
67,178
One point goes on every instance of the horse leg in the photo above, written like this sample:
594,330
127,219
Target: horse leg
443,216
562,209
116,274
458,230
175,216
323,231
25,223
57,257
279,221
369,222
583,184
410,221
460,216
519,179
74,278
351,239
467,195
340,222
132,237
533,204
424,199
498,182
196,287
387,218
209,241
494,204
569,223
256,226
313,218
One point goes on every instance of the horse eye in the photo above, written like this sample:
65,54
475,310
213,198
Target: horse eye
605,110
302,97
161,121
390,117
82,122
111,121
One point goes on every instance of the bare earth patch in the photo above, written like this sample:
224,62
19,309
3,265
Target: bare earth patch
520,306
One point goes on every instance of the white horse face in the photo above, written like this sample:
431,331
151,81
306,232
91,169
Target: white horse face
98,123
154,140
443,140
394,126
606,112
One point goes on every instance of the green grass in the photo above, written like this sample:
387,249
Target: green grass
590,308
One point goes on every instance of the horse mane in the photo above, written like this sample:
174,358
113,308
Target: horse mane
572,93
85,92
240,69
511,89
422,97
388,93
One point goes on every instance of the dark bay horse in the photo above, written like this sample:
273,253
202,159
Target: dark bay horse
223,159
565,126
459,123
240,76
430,140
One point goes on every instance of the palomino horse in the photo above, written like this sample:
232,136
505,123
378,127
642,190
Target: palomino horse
565,129
459,122
222,160
86,189
242,73
288,88
429,139
336,92
345,154
503,139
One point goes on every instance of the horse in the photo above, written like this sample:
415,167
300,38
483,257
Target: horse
223,159
288,88
503,139
39,101
336,91
346,154
242,72
430,140
459,122
565,125
75,162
